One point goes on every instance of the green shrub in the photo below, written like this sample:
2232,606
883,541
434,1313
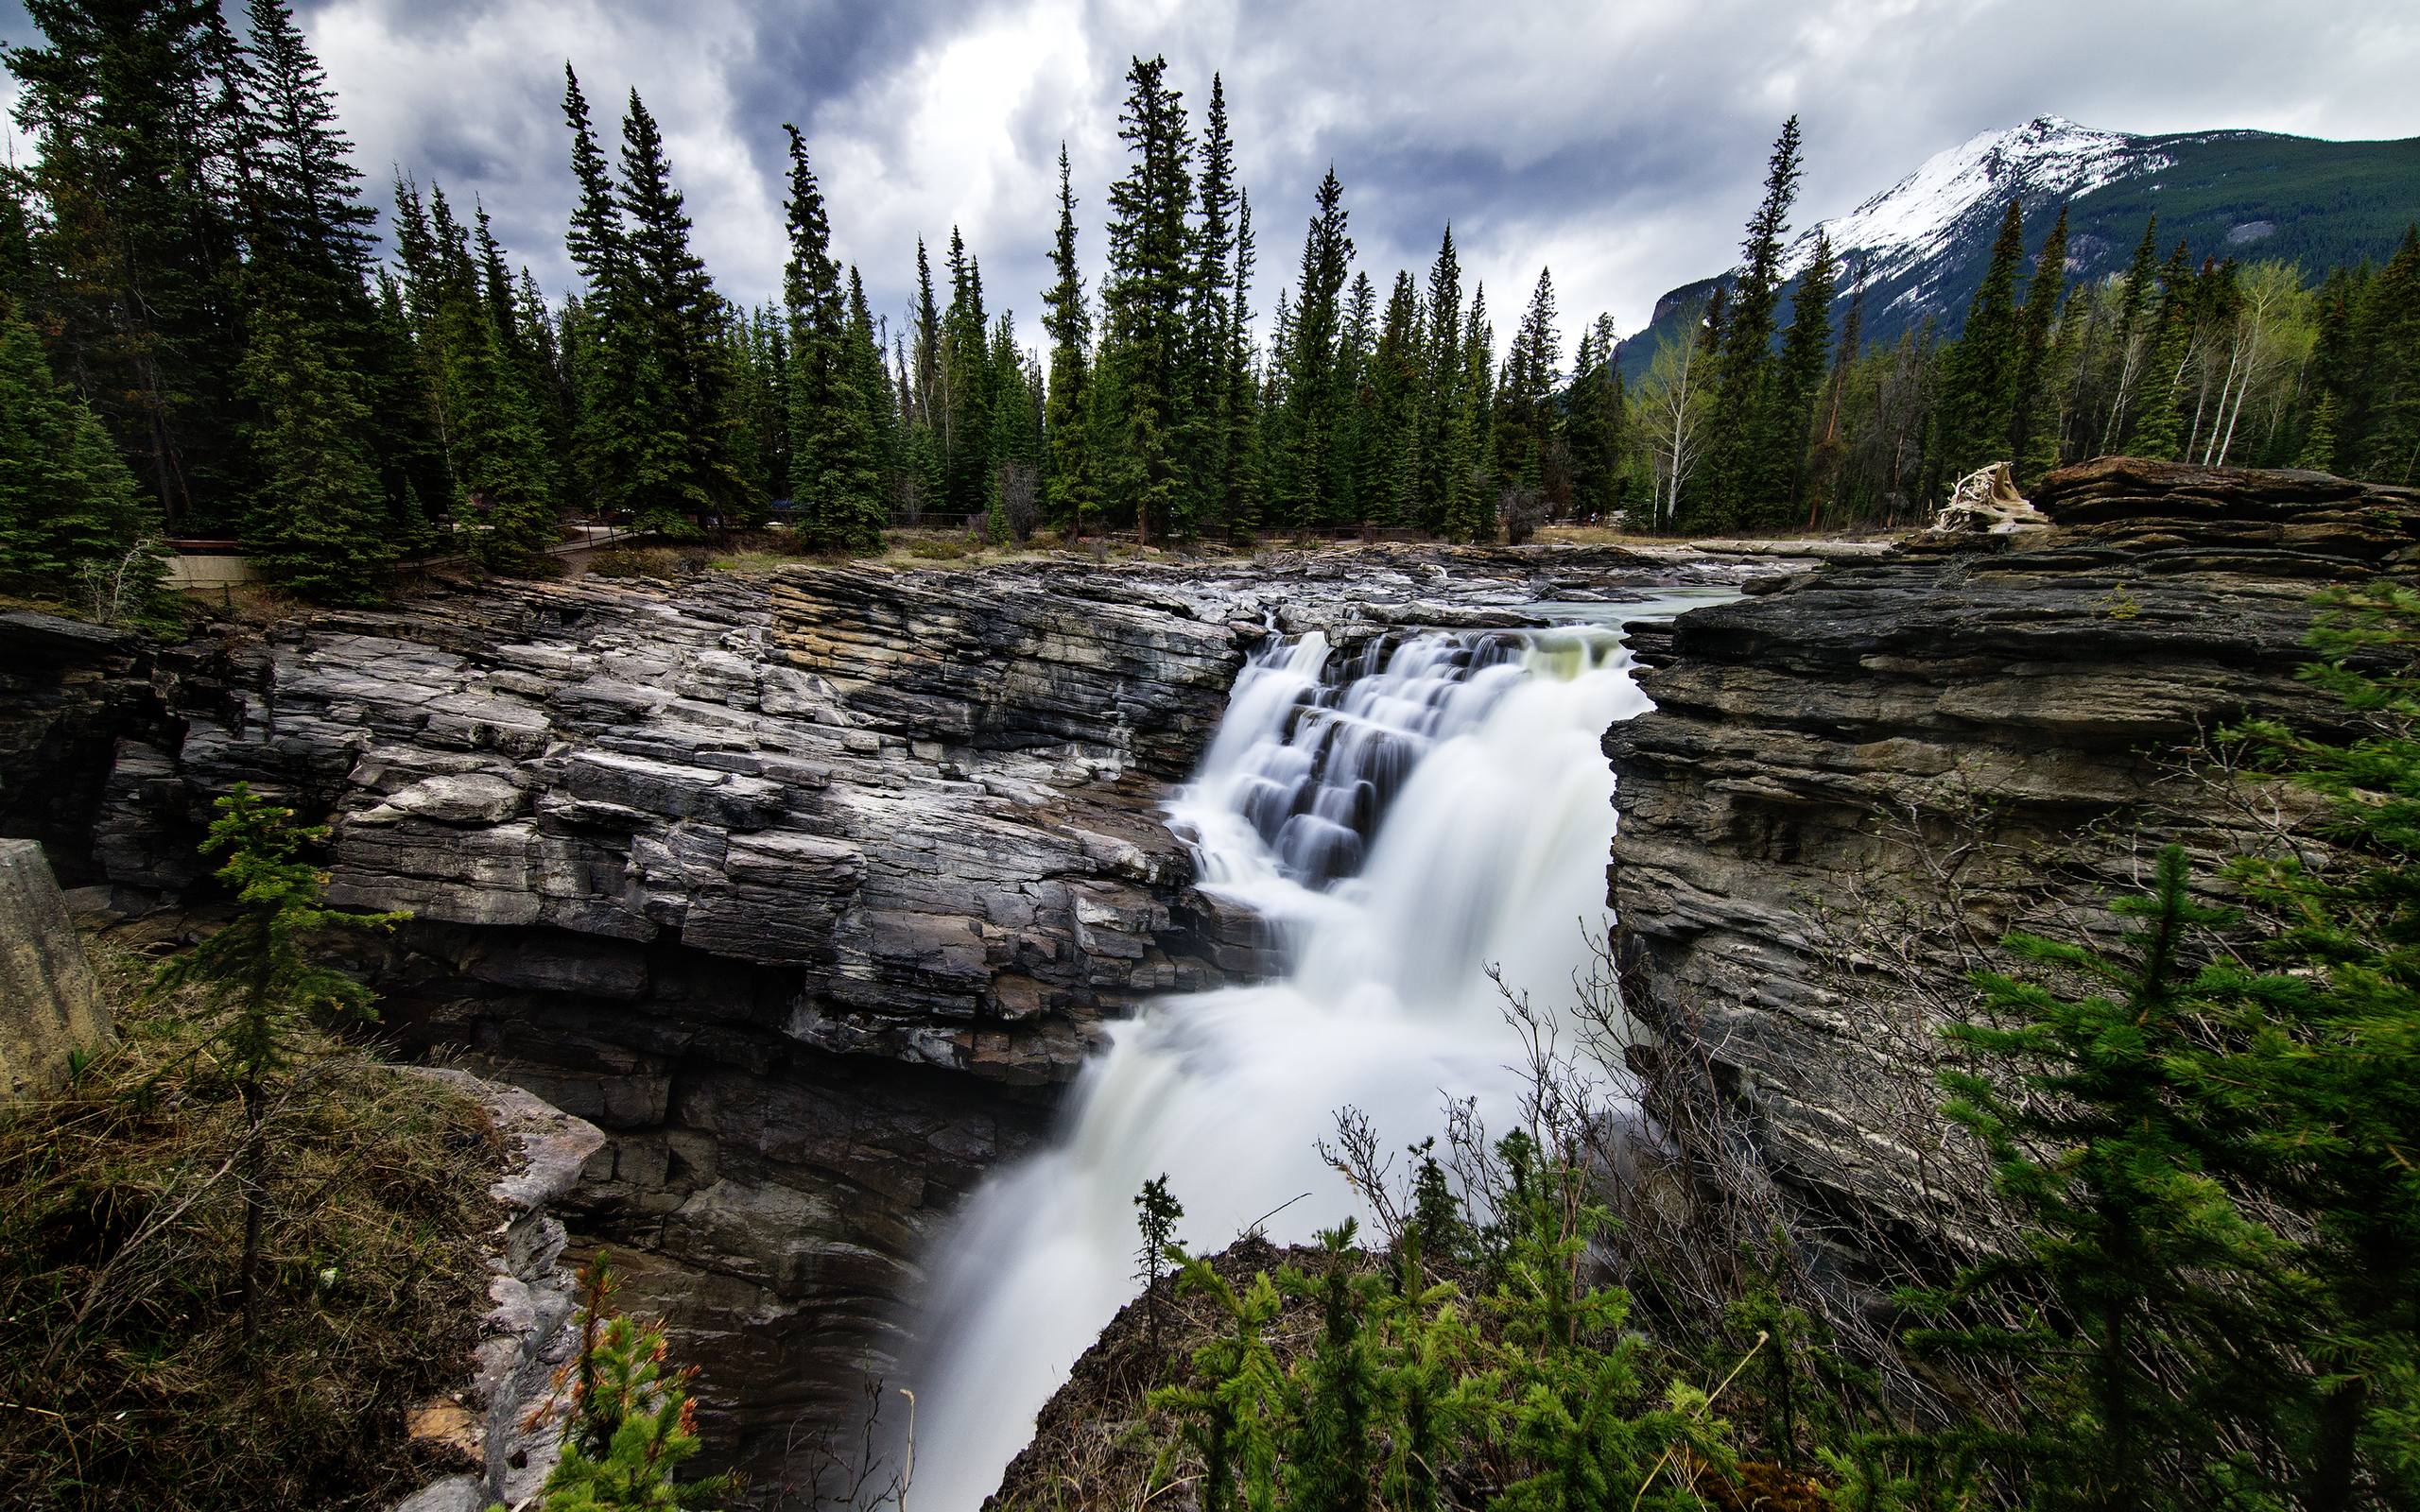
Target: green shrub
131,1380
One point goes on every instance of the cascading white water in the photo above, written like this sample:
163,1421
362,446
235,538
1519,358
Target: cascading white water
1405,823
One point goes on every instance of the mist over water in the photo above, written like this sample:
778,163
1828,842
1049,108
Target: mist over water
1404,820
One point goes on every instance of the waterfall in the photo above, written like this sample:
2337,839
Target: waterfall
1404,819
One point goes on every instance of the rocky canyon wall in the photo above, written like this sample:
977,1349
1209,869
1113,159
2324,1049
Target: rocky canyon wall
1848,781
810,889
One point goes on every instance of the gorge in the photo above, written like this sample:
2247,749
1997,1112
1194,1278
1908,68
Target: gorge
815,891
812,891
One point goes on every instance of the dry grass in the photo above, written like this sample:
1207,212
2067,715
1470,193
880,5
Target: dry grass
126,1380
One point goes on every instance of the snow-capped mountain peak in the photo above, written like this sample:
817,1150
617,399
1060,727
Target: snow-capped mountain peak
1931,210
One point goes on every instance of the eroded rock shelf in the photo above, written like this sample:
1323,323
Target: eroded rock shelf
810,889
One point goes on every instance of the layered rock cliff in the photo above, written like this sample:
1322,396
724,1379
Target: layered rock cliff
810,889
1848,783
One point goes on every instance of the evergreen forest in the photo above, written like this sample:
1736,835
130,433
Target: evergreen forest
204,334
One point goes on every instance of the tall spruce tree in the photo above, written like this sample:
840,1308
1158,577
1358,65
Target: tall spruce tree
1470,507
68,506
310,240
1143,302
1303,491
1396,376
316,526
920,369
1780,459
1072,488
1597,424
138,132
626,451
2127,360
1527,420
2388,445
1829,451
503,475
1980,386
304,191
833,483
864,339
679,319
1442,445
1357,350
1744,362
1241,505
1209,433
2033,405
2159,429
966,384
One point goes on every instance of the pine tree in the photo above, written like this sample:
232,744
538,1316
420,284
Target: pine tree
834,481
68,506
631,1423
17,265
1072,488
2159,429
2318,443
403,440
965,431
1777,469
1397,376
2388,448
1156,1211
259,982
2033,407
2128,355
1329,1458
1441,452
502,475
2337,394
1211,394
1357,350
2329,1077
1241,505
1144,299
506,472
306,193
679,319
318,526
864,344
2092,1111
1829,454
1526,424
927,336
1470,508
1597,426
137,130
1744,362
1981,392
626,448
1304,491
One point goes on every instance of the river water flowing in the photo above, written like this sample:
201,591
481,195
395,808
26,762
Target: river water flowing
1403,819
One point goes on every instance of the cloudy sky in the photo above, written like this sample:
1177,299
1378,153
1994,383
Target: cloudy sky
1619,143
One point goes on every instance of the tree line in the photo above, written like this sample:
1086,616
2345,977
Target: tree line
2210,361
201,335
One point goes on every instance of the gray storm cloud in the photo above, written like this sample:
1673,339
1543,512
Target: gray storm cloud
1621,145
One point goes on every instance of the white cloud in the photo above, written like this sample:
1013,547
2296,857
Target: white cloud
1622,145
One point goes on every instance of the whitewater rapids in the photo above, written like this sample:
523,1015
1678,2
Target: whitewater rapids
1402,820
